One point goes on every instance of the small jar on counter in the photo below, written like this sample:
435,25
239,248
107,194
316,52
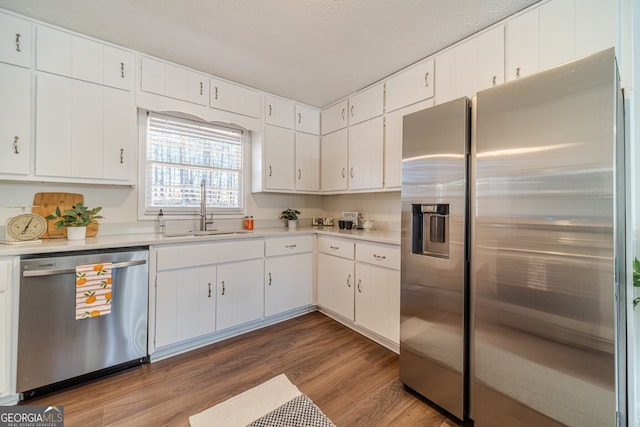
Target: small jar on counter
247,224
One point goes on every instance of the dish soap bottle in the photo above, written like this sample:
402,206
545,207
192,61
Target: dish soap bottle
160,225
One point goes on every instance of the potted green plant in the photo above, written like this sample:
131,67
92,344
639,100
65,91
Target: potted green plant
291,218
75,219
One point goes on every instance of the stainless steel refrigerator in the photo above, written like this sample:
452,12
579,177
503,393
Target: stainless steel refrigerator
434,312
548,249
537,338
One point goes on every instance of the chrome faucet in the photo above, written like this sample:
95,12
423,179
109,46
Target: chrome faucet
203,207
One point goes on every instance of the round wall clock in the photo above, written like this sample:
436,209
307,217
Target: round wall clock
25,227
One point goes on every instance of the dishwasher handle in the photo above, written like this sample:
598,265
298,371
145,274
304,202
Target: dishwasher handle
54,271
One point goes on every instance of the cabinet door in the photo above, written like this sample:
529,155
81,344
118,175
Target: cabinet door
187,303
522,46
198,88
307,162
595,26
333,170
393,143
15,119
236,99
279,112
176,82
366,151
467,68
279,158
152,76
557,33
119,156
377,301
334,118
206,300
445,69
15,40
87,130
53,125
367,104
288,283
409,86
491,58
118,68
54,51
240,293
87,61
307,120
166,308
336,285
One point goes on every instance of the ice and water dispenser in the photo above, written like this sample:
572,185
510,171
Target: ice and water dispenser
430,230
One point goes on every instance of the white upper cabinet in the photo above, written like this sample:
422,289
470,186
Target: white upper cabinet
307,119
15,113
557,33
334,118
491,58
595,26
68,55
367,104
410,86
227,96
445,69
175,82
467,68
15,41
333,169
279,112
522,45
307,162
366,150
279,158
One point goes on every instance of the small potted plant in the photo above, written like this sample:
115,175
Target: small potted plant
291,218
75,220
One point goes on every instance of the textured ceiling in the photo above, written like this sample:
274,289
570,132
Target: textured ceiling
311,51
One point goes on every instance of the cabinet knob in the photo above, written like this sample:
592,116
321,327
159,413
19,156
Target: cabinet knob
426,79
359,290
122,70
269,279
16,141
18,49
349,281
518,73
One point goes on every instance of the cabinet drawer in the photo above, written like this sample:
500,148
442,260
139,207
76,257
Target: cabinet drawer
338,247
180,256
288,245
382,255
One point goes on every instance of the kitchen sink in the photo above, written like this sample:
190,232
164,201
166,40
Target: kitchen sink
197,233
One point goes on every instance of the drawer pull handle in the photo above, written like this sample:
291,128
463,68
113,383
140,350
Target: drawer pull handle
209,295
122,70
18,49
379,257
352,107
269,279
16,140
494,81
299,118
270,170
223,288
299,174
216,93
334,247
349,281
270,109
359,290
290,246
344,172
121,155
518,73
351,172
201,87
343,114
426,79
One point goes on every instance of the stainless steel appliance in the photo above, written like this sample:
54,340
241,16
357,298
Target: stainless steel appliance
545,252
548,249
55,349
433,332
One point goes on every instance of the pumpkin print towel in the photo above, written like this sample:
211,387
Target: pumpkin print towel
93,290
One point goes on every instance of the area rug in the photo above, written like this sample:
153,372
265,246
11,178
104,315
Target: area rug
275,403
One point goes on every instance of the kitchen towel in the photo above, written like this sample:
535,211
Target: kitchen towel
93,290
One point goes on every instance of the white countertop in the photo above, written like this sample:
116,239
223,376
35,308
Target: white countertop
128,240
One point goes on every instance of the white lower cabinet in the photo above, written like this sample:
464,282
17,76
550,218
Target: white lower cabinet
360,282
288,274
240,293
7,349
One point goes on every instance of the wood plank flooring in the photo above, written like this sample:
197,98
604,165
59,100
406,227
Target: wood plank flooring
353,380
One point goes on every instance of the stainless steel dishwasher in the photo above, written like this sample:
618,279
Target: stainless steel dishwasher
55,349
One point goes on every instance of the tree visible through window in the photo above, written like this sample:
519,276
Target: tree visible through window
181,153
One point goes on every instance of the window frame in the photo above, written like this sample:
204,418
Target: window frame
147,213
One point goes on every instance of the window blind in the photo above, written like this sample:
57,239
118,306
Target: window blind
181,153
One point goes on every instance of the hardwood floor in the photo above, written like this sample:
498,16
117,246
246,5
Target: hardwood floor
352,380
